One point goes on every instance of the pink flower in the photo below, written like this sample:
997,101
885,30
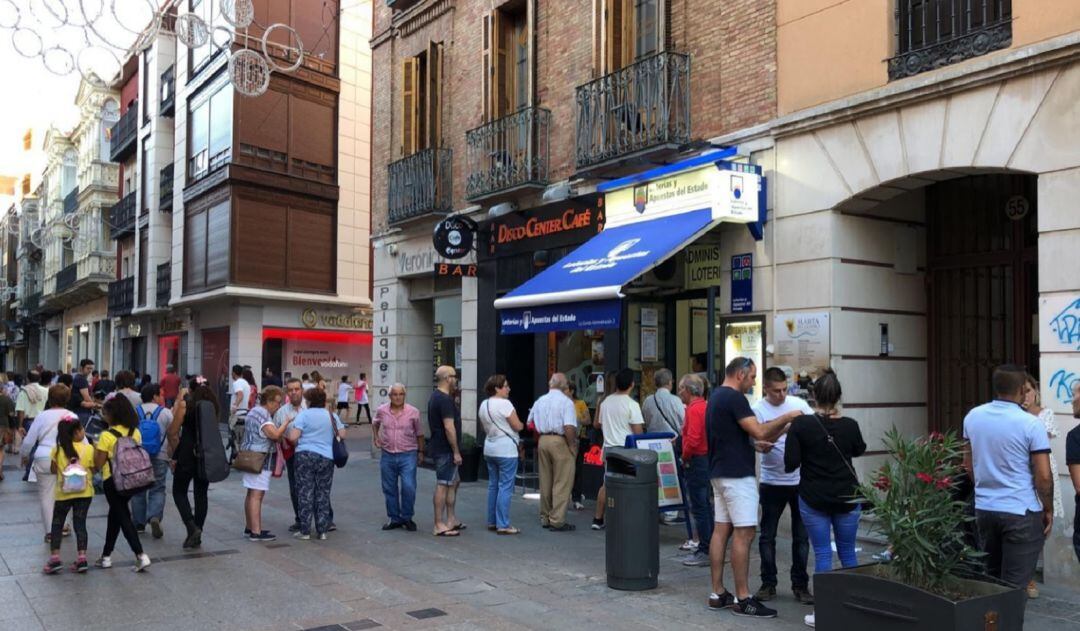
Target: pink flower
925,477
943,483
883,483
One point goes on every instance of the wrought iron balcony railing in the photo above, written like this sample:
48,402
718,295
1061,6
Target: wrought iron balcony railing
508,153
165,189
164,284
121,297
643,106
420,185
931,34
122,217
66,277
167,98
71,201
122,134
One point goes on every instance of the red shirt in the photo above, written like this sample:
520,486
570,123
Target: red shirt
694,441
170,385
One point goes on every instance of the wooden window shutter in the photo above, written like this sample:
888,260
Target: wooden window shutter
488,71
503,75
410,110
618,34
433,95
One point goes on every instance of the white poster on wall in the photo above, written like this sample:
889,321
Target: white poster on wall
1059,373
1059,323
331,359
802,342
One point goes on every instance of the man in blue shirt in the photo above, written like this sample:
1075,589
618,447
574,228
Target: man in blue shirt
1008,456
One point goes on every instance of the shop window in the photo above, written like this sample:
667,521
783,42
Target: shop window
421,100
580,356
505,66
645,342
447,332
743,338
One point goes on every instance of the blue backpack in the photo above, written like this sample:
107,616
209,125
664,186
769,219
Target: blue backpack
150,430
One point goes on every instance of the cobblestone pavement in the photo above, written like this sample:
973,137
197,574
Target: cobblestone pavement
364,578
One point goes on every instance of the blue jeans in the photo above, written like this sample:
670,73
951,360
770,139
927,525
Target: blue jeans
501,473
151,502
818,525
394,467
698,487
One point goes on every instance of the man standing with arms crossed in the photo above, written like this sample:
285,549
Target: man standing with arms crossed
779,490
444,421
556,422
1008,455
733,431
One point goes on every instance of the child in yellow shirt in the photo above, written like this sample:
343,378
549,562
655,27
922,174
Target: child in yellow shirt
73,464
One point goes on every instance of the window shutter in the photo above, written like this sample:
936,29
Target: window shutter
487,70
410,84
618,34
433,95
503,73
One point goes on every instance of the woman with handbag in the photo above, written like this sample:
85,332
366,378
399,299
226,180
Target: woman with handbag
821,446
317,434
501,425
260,434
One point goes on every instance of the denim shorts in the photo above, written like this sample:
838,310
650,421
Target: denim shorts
446,472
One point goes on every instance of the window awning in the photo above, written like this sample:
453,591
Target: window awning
582,290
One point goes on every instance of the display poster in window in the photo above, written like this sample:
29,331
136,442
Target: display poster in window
650,316
649,344
669,493
802,342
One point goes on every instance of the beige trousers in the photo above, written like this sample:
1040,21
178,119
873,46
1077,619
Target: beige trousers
556,479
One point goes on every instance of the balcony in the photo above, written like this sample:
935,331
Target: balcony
202,164
164,285
165,189
420,185
66,277
121,297
122,217
30,304
637,110
508,154
122,134
167,98
71,202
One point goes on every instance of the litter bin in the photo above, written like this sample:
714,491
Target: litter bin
632,519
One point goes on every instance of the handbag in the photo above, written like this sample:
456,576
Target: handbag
250,461
30,461
278,467
341,453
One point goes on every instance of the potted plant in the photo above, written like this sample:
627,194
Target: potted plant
470,458
934,580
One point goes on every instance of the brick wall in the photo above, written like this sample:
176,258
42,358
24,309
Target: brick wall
733,82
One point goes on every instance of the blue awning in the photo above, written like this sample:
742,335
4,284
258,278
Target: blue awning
581,291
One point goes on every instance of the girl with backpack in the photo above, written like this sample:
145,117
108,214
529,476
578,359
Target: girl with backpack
112,451
73,462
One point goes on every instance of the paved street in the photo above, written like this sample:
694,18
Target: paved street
364,578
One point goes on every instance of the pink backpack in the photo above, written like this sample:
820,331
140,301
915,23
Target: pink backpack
132,469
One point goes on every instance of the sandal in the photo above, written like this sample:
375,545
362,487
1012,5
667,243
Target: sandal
459,526
447,533
508,531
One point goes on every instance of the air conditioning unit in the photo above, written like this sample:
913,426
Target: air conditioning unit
667,275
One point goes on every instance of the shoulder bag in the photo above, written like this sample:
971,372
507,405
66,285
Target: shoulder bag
516,441
832,441
247,460
340,451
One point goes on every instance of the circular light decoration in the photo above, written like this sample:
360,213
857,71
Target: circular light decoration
71,220
81,244
27,42
191,30
221,38
97,64
249,72
291,34
58,61
239,13
10,16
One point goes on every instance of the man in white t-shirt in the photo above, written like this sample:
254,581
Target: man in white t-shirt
238,407
620,416
343,390
778,490
361,388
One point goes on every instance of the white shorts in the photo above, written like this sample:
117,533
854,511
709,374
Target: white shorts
257,481
736,501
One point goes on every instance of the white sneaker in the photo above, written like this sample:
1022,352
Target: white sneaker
579,506
808,619
142,562
104,562
689,546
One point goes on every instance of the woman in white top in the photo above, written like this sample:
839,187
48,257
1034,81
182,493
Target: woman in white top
1033,405
501,425
42,434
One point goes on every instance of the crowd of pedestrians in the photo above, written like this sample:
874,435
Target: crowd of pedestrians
84,434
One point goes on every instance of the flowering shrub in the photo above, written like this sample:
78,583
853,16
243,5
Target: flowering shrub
912,498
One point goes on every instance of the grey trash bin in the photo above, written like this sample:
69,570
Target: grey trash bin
632,519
